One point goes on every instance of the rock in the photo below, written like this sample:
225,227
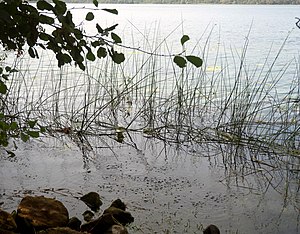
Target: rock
42,212
7,221
100,225
74,223
88,215
3,231
118,204
92,200
117,210
117,229
211,229
60,230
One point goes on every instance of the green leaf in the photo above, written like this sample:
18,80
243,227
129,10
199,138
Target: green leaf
101,52
43,5
31,52
24,137
95,2
180,61
1,70
14,126
116,38
44,36
100,30
184,39
113,11
3,87
117,57
78,34
32,123
14,70
7,69
196,61
5,76
95,43
90,56
44,19
34,134
111,28
60,7
42,129
89,16
81,66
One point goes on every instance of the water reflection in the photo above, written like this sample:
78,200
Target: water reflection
166,188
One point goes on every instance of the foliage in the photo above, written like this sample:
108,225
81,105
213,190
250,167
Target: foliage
50,26
24,24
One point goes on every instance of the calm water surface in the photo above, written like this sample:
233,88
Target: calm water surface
166,189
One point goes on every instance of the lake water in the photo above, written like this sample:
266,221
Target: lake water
169,188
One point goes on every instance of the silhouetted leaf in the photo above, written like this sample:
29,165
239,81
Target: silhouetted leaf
60,7
3,87
90,56
116,38
89,16
101,52
78,34
184,39
95,2
32,123
43,5
31,52
180,61
100,30
13,126
117,57
113,11
44,36
24,137
34,134
44,19
81,66
196,61
111,28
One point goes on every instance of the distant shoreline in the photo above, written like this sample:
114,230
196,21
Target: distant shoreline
187,2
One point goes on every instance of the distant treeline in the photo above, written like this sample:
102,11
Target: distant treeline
288,2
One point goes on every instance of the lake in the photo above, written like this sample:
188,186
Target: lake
184,162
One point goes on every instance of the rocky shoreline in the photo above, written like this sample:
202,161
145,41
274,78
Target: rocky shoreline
42,215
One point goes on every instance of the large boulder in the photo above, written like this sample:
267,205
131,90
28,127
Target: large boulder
117,229
211,229
118,210
112,220
42,213
60,230
92,200
7,221
100,225
74,223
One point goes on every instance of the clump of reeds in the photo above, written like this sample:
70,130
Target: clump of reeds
224,102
